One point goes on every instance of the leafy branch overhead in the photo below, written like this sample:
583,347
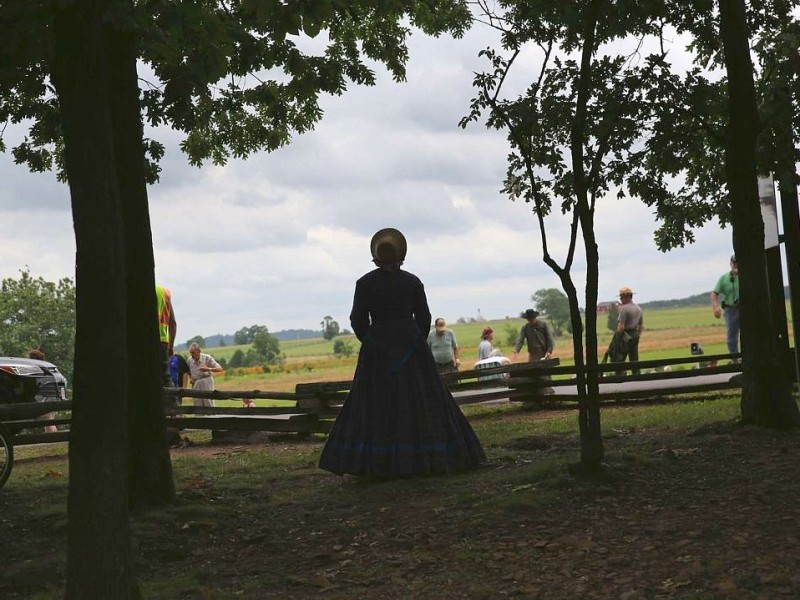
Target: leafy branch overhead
654,130
236,77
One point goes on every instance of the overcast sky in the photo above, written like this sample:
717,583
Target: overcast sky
280,239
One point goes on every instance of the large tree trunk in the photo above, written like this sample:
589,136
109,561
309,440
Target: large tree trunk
99,561
766,393
786,174
151,482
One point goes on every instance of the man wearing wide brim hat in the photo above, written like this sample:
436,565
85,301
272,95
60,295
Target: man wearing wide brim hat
630,324
536,335
725,300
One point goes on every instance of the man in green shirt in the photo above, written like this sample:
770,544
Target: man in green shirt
725,300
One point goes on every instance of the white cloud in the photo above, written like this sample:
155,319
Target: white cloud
281,238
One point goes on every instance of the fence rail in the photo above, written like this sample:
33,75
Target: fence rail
311,407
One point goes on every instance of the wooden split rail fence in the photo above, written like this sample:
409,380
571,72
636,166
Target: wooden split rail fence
312,407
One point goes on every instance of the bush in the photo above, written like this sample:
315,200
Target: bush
237,360
342,349
512,333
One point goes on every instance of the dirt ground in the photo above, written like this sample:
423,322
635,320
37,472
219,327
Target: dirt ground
704,514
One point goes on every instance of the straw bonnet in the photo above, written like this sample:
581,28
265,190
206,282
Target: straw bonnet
388,246
625,291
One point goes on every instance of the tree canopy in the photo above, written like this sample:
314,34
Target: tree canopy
36,313
198,339
246,335
266,347
330,328
606,114
553,303
236,77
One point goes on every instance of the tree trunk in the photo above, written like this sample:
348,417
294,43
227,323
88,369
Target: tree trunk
766,393
592,451
786,174
151,482
99,561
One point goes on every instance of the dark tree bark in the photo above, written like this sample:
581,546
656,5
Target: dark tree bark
592,451
786,173
99,561
151,482
766,393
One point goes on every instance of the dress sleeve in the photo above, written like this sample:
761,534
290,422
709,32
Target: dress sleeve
422,314
359,315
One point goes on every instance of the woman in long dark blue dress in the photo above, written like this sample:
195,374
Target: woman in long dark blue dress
399,418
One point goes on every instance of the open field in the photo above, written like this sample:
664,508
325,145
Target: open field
469,334
668,334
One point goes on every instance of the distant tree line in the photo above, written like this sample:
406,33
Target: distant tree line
696,300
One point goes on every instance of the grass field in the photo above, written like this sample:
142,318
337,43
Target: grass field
668,334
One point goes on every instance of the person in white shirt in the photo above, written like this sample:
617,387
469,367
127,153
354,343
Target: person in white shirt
201,370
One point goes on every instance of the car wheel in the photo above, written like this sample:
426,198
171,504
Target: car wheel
6,455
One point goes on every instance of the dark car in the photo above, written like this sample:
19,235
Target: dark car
30,380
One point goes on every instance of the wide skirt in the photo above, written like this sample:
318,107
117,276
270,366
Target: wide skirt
399,419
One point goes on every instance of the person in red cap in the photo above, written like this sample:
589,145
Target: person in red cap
485,349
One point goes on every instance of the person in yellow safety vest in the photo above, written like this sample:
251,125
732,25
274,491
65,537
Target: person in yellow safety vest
167,329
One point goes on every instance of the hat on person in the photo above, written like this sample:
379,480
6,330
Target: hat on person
388,246
530,314
733,258
625,291
487,331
